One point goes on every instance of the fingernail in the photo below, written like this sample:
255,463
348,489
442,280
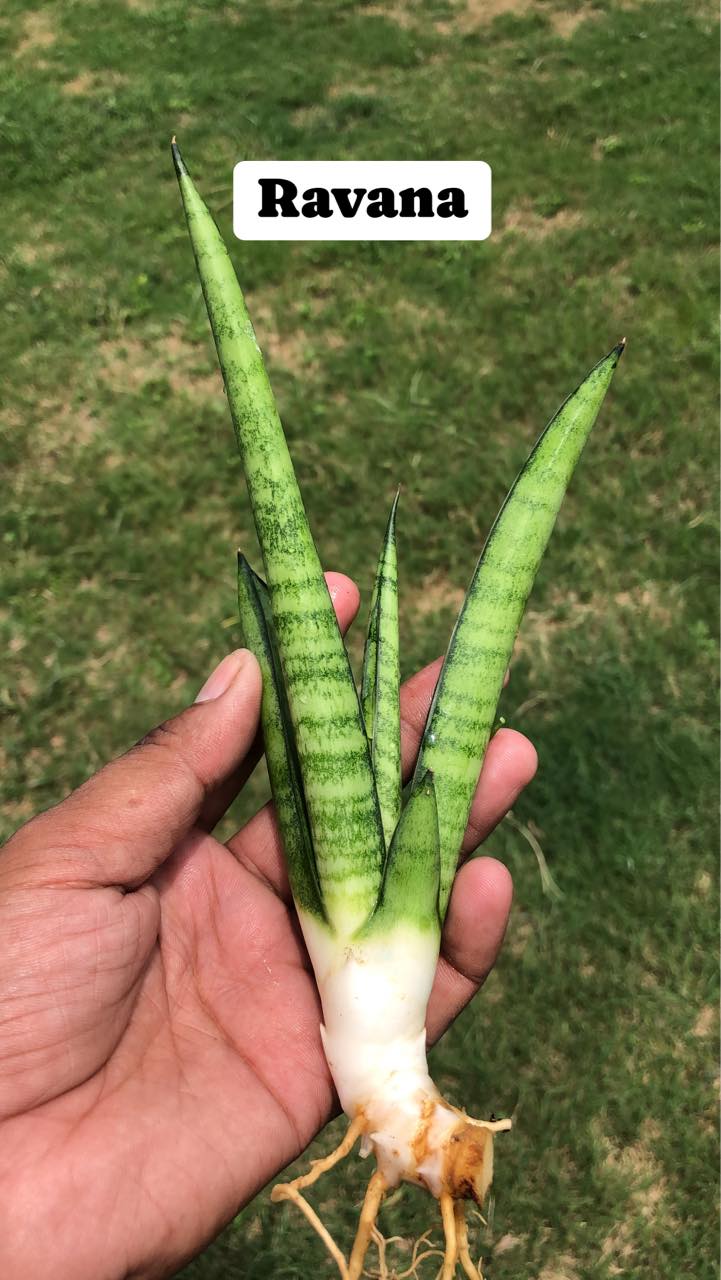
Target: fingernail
223,676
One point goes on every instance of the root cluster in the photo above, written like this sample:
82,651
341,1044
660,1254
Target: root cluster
453,1217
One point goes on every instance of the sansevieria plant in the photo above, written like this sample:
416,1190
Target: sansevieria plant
371,877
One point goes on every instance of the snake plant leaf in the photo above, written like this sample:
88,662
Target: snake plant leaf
370,659
464,705
333,752
280,753
381,681
412,877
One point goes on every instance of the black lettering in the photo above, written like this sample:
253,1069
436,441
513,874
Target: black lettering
316,203
408,202
452,203
381,203
345,202
273,204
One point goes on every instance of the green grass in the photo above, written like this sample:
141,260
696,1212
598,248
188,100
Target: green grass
436,366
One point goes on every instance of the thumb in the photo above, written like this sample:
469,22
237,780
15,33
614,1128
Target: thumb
125,821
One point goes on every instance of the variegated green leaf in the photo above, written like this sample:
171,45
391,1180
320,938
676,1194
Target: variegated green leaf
463,709
333,751
380,688
280,753
412,877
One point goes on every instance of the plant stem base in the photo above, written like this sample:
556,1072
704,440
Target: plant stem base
451,1200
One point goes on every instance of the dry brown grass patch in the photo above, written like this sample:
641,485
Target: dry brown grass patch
435,594
566,22
18,812
506,1243
38,32
479,13
706,1022
297,352
647,1193
129,363
418,317
474,14
39,249
401,13
94,667
562,1268
88,83
703,884
651,601
290,351
522,220
520,932
80,85
307,117
352,89
661,605
61,425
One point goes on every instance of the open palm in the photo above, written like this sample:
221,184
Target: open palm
160,1058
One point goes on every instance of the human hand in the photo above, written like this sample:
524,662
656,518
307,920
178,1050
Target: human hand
160,1058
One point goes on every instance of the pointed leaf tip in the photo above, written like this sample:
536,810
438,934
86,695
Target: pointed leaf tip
463,709
320,694
380,683
180,166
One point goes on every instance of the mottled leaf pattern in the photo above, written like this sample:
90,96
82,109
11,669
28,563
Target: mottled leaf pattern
333,751
280,753
337,768
412,876
380,688
464,706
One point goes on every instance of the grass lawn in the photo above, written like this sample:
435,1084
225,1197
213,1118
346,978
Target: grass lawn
436,365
